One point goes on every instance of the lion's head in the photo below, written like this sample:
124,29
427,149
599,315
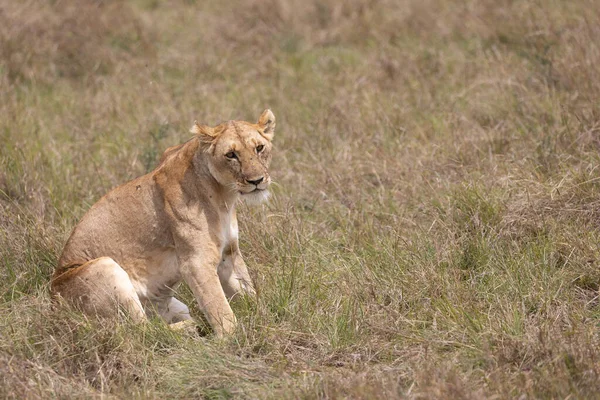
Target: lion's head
239,154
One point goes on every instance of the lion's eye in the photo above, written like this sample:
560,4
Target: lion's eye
259,148
231,155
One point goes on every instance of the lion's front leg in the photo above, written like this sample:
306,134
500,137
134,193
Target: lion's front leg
234,275
200,273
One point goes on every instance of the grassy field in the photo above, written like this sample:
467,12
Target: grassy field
434,225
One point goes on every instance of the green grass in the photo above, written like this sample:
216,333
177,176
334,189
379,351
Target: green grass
434,226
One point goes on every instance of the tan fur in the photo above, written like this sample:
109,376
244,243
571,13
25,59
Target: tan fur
133,247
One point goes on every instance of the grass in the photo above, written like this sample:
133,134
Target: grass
434,226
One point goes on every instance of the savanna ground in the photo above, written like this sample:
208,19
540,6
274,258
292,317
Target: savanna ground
434,229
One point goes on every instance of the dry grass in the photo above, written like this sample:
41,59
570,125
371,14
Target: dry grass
434,230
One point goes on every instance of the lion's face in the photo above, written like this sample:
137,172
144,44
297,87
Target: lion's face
240,154
240,160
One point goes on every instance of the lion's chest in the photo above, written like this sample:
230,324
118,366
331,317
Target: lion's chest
229,230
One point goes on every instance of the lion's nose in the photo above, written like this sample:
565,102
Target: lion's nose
256,181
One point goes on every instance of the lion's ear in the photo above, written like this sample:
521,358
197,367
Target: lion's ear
205,133
266,121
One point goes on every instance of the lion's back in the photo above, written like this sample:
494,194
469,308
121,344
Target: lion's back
121,222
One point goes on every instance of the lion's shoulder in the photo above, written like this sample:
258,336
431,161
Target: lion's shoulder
174,163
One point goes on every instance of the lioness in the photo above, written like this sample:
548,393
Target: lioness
134,246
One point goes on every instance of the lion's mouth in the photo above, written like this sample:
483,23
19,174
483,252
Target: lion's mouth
255,196
253,191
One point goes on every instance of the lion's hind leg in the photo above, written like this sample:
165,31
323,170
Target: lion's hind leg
176,312
177,315
100,287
